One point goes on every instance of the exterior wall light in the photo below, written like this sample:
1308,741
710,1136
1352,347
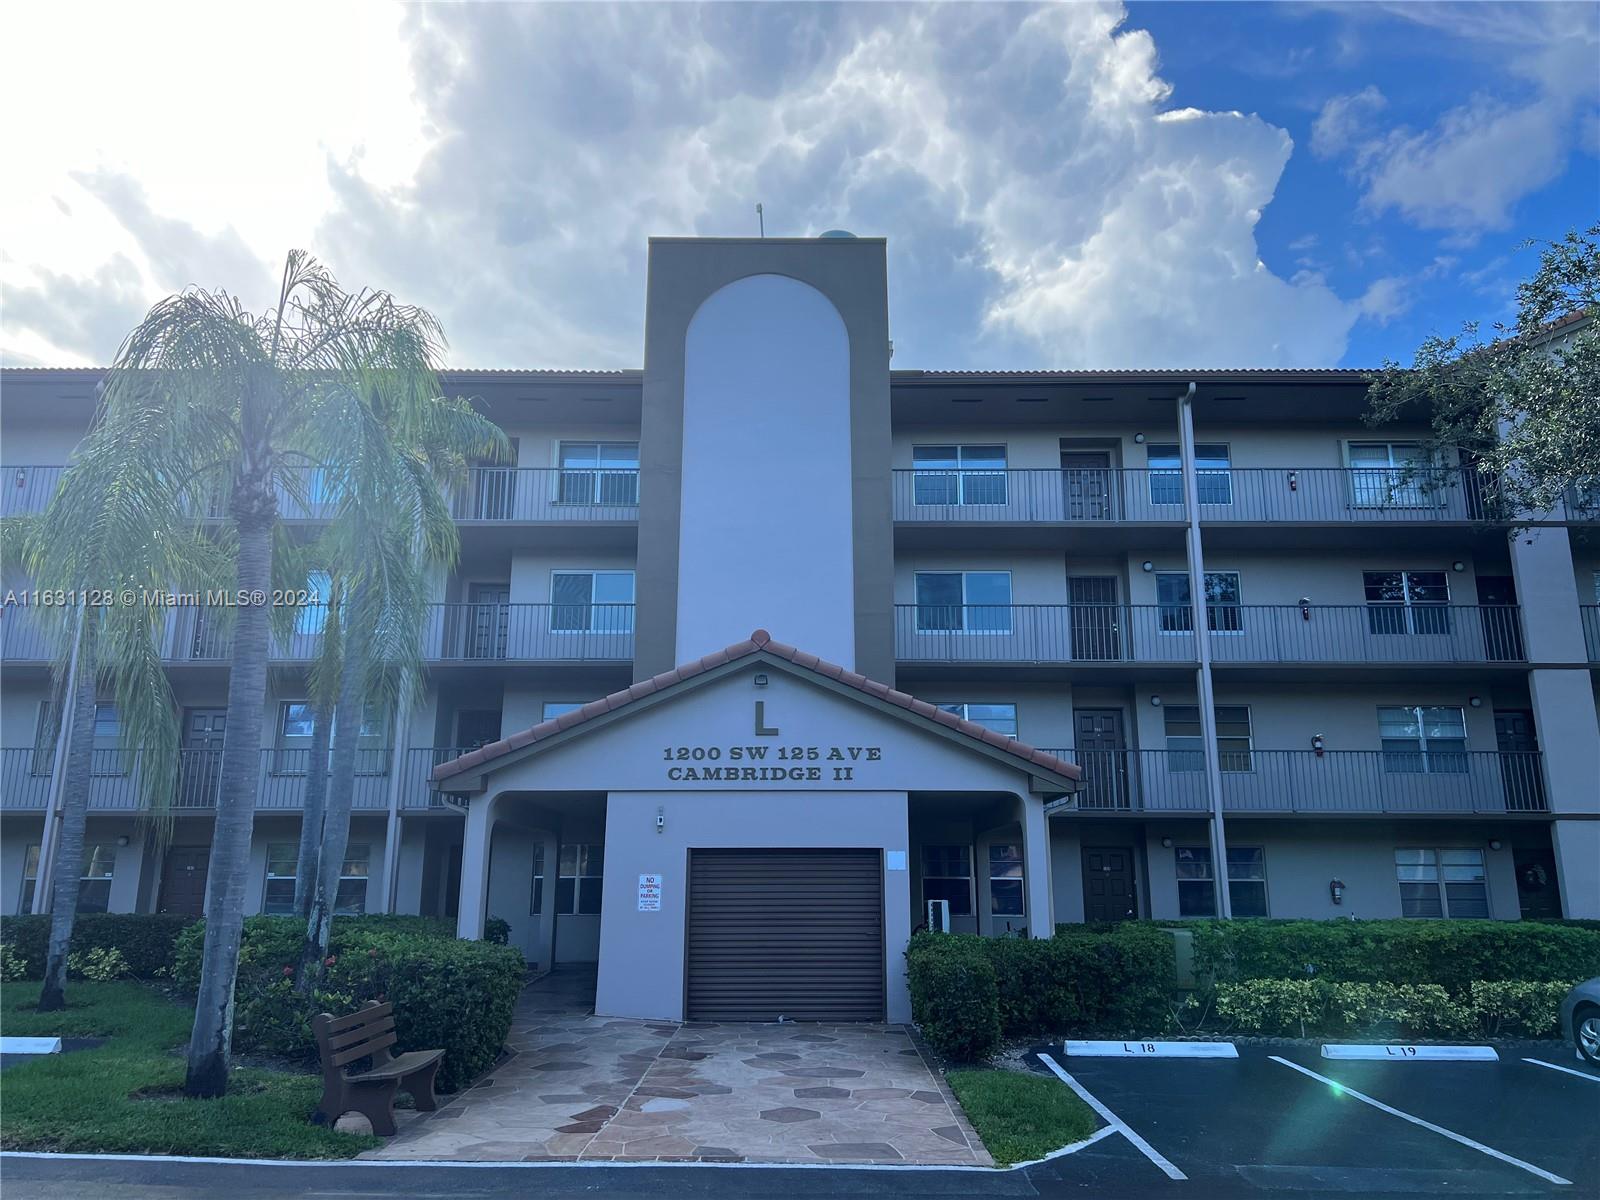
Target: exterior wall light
1318,745
1147,566
1156,701
1458,565
1494,843
1336,890
1475,701
1139,438
122,840
1166,843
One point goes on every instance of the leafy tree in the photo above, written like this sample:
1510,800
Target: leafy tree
237,404
1523,402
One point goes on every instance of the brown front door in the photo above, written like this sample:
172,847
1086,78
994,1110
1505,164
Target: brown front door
1096,619
183,880
200,760
1519,759
1108,884
1537,894
1103,755
1086,478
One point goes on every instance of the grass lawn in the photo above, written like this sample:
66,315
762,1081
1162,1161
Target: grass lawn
1021,1116
125,1096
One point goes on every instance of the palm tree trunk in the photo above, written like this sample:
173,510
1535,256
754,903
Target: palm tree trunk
254,510
305,870
336,817
68,868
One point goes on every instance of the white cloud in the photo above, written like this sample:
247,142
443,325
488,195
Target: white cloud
1043,206
1467,172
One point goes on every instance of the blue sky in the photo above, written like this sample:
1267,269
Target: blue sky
1077,185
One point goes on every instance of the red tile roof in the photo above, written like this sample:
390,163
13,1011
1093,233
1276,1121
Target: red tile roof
758,642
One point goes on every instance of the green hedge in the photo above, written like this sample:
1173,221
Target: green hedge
1451,954
1306,1007
145,940
458,995
1115,978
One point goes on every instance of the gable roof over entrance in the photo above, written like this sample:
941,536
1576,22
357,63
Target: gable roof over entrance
1050,773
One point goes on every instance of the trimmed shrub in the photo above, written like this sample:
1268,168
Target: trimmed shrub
447,993
953,995
144,940
1452,954
1306,1007
1115,978
1506,1007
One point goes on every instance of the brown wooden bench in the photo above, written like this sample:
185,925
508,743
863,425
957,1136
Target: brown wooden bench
369,1033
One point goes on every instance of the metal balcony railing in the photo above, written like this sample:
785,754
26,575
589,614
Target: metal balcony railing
1237,494
1091,495
1303,781
1590,615
510,494
451,633
529,633
1239,633
417,790
490,494
114,785
27,489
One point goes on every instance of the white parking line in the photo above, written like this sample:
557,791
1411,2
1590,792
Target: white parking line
1114,1121
1539,1062
1344,1090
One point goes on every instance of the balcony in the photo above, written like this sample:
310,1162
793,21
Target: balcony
1029,634
1260,495
490,495
452,633
1303,781
114,784
547,496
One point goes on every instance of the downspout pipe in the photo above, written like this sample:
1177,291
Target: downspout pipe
1200,623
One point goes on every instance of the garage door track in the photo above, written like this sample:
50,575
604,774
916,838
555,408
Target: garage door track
582,1087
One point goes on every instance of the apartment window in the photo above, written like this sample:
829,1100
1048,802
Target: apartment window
1247,881
1423,740
1213,476
963,601
1002,718
1005,880
297,723
947,876
282,860
105,757
1389,475
536,896
351,899
1407,601
94,881
1185,747
578,879
599,473
1223,614
591,601
959,474
554,708
1442,883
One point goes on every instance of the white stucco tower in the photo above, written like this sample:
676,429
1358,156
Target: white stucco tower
764,450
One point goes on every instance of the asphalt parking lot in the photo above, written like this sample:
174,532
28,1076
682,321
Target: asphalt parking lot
1258,1125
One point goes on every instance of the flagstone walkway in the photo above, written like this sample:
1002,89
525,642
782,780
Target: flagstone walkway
596,1089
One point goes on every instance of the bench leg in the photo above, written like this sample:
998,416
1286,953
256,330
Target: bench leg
375,1101
420,1085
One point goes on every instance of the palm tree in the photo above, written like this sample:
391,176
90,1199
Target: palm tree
392,531
87,540
241,401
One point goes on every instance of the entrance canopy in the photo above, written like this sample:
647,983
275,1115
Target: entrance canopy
760,719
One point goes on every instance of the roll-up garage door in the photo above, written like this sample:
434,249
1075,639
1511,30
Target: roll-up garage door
790,933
